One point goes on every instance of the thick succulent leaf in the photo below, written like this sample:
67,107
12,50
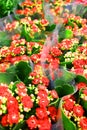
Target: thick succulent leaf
66,76
80,78
50,27
7,77
11,69
4,39
22,70
64,89
67,123
39,36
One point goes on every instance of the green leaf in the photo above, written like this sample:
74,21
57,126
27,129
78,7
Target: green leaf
68,34
19,126
7,77
36,16
64,90
80,78
2,128
64,84
39,36
83,103
35,50
25,33
11,69
67,123
8,6
70,23
68,64
66,76
4,39
22,70
55,103
50,28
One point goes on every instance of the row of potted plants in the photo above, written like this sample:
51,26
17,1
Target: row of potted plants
43,67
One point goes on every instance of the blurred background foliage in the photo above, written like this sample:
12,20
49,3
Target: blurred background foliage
8,7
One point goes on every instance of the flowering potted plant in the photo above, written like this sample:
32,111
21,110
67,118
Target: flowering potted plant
74,107
37,58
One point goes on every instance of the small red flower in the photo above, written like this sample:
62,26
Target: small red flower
36,81
41,87
78,63
22,90
45,81
21,85
54,64
4,120
44,22
13,118
55,51
79,71
16,36
85,91
15,59
41,113
35,58
27,102
53,112
81,85
54,94
43,102
44,124
18,50
42,93
68,104
33,74
83,123
32,122
12,104
78,110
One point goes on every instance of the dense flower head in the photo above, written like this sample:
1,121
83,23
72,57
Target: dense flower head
81,85
78,110
53,112
69,104
44,124
41,113
83,123
32,122
27,102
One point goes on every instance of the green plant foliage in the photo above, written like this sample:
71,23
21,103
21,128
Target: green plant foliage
21,71
7,77
68,124
80,78
20,125
64,90
6,40
8,7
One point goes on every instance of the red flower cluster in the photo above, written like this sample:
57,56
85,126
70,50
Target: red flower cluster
75,110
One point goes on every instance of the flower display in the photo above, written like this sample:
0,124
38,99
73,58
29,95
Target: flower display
43,66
